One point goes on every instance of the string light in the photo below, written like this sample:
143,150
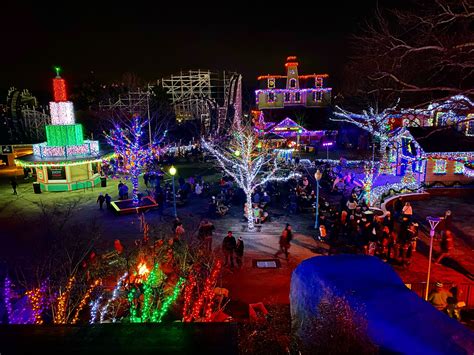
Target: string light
207,293
246,168
7,299
37,300
62,163
64,135
128,145
59,89
94,309
133,308
157,315
148,285
188,292
115,293
62,113
84,301
60,317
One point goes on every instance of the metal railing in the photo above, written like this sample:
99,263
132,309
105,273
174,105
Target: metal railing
465,291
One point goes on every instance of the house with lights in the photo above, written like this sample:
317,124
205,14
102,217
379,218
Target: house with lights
456,111
66,161
292,89
439,155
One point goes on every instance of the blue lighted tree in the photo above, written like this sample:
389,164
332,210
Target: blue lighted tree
133,154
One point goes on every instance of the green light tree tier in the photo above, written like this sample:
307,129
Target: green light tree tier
64,135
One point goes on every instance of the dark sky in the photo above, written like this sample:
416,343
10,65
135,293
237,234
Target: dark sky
158,42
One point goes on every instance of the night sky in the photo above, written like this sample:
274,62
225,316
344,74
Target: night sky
158,42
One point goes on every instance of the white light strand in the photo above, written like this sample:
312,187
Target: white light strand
94,308
115,294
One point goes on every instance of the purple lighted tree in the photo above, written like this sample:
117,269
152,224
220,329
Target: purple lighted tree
134,154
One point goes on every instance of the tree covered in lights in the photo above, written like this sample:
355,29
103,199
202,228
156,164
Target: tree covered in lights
133,154
248,162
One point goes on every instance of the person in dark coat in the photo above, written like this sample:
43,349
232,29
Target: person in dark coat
14,186
239,252
108,200
101,200
228,247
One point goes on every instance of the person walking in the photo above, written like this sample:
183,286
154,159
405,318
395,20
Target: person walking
108,201
447,245
228,247
439,297
285,239
239,252
14,186
101,200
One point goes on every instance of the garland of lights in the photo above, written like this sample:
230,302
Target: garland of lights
84,301
60,317
25,164
7,299
115,292
157,315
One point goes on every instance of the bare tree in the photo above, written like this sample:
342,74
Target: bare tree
421,53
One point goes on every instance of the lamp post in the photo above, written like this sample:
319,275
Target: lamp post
433,223
317,176
327,145
172,172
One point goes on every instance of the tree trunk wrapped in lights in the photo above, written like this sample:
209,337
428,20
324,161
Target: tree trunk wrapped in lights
245,160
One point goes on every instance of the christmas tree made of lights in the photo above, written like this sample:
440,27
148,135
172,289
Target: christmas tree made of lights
64,137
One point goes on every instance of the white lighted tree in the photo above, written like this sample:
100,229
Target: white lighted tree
250,163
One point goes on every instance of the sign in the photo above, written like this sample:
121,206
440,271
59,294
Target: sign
57,173
7,149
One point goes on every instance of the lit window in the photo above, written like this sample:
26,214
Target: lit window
319,82
458,167
287,97
297,97
440,166
271,83
317,96
470,126
292,83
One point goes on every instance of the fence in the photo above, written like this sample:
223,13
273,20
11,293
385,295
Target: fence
465,294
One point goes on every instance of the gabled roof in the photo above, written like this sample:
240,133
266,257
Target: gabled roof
287,125
442,139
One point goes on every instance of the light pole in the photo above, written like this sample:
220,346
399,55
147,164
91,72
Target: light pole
172,172
327,145
433,223
317,176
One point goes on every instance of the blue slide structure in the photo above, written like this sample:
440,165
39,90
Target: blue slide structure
397,319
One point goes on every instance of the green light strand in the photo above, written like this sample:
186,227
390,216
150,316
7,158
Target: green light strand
133,308
148,293
157,316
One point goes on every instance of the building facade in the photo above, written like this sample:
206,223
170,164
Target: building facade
292,89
